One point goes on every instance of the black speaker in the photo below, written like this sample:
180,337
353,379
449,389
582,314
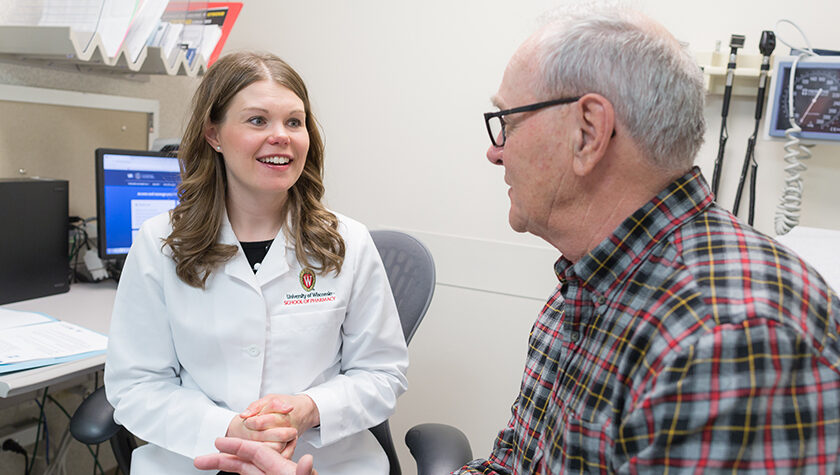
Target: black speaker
33,238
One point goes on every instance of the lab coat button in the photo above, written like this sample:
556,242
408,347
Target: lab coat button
253,350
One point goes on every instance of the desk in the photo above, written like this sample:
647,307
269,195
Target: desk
88,305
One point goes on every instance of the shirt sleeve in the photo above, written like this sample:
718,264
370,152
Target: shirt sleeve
499,461
374,357
754,396
142,372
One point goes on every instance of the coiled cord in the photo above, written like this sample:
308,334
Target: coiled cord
790,204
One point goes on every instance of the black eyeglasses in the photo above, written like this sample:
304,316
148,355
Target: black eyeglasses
495,121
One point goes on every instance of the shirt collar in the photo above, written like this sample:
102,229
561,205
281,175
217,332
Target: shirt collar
614,258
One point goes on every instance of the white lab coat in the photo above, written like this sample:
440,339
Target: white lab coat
182,361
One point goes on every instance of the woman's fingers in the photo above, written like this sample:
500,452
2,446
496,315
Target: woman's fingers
277,404
271,403
254,408
282,435
267,421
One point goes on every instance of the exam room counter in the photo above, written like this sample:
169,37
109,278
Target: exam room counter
87,305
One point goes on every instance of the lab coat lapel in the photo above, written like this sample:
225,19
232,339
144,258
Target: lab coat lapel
275,263
237,267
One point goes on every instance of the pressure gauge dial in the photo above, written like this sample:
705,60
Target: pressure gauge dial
816,98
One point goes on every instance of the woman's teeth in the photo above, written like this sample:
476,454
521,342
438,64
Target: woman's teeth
274,160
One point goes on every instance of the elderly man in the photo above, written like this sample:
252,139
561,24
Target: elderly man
678,338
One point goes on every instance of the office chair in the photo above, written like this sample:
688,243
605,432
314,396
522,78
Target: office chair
411,274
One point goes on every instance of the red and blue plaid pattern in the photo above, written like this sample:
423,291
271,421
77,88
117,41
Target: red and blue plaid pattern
687,341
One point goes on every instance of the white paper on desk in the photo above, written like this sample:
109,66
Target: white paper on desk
16,318
55,339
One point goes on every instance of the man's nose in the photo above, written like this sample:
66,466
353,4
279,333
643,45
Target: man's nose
494,154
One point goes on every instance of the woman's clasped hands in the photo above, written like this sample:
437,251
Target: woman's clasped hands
276,420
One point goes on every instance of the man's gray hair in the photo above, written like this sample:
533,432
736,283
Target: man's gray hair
654,83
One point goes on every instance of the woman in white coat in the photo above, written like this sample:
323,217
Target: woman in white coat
251,311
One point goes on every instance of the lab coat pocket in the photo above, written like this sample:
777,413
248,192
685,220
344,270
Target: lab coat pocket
320,322
305,349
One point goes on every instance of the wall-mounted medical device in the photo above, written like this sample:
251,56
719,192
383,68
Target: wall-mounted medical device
816,98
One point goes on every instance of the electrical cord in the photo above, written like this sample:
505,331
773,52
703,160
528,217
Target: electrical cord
81,240
790,204
60,456
41,418
12,445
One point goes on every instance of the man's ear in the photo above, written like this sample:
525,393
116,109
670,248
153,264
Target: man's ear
211,134
596,122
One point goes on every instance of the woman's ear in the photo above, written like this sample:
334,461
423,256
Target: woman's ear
596,119
211,134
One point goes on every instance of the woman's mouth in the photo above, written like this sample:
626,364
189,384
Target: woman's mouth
274,160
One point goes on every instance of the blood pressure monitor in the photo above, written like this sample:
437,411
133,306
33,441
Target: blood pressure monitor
816,98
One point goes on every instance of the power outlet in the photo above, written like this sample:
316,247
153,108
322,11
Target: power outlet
23,432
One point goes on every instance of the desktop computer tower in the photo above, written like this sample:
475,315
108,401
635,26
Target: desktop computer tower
33,238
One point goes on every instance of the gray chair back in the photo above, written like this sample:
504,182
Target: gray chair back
411,273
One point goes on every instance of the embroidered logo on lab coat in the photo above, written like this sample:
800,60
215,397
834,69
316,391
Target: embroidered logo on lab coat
307,279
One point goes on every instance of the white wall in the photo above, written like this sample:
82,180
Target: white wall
399,88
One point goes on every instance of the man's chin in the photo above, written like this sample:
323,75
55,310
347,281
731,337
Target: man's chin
516,223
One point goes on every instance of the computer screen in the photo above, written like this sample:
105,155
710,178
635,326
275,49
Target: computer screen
131,187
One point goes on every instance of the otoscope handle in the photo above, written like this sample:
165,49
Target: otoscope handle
744,168
727,93
719,160
762,87
753,173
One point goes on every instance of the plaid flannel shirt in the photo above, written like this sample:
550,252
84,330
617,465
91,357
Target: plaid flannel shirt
686,341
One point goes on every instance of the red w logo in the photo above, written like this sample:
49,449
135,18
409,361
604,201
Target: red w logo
307,279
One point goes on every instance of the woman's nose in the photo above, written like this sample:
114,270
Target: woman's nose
279,136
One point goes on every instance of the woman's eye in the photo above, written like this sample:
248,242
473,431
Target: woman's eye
256,120
295,123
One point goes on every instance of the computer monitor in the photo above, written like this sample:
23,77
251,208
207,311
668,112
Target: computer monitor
131,187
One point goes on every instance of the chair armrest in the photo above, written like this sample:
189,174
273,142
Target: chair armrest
93,421
437,448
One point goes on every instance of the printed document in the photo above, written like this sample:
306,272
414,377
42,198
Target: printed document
29,339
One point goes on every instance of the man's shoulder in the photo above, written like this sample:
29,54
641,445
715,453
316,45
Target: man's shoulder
716,239
737,272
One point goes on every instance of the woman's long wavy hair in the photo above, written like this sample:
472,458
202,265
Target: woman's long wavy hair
197,219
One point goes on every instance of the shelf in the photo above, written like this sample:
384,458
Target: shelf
747,70
61,47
